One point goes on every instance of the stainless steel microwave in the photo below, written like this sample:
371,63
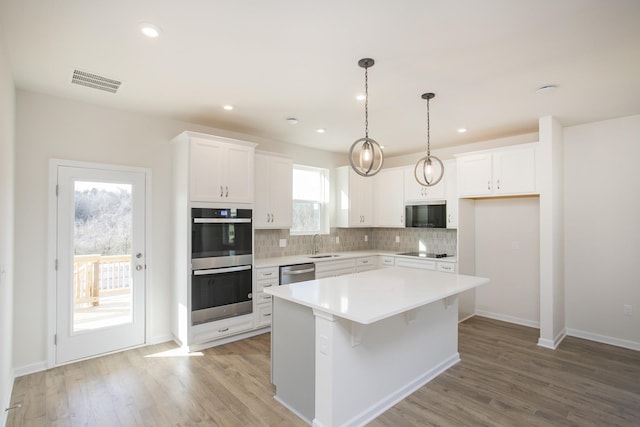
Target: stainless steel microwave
427,215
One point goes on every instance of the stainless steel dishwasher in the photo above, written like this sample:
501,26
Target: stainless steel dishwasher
297,273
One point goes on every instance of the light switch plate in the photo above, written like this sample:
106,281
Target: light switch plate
283,243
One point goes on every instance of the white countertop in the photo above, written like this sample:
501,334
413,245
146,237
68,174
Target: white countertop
301,259
374,295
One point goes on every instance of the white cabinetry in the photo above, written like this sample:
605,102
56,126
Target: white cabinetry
451,184
507,171
446,267
388,198
206,171
386,261
366,263
414,192
273,183
221,170
354,199
265,278
423,264
335,268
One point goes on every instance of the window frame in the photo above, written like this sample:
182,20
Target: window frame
325,176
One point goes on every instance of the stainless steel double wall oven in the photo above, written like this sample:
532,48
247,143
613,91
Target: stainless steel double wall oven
221,263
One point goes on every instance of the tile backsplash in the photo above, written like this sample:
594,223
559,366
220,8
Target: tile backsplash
267,242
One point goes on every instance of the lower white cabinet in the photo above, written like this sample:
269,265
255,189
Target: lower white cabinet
366,264
386,261
423,264
335,268
264,278
446,267
221,328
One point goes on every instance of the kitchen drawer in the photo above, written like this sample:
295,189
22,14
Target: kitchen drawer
365,261
387,261
447,267
267,273
222,328
344,264
333,273
415,263
263,315
263,298
261,284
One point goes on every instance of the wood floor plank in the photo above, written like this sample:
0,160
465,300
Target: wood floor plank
503,379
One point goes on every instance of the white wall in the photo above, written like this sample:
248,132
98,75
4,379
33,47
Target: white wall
507,252
7,147
602,230
50,127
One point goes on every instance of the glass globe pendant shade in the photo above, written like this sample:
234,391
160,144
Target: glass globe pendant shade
366,157
429,171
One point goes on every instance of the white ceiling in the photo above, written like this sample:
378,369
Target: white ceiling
298,58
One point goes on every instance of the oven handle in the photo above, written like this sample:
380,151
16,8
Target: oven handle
220,220
221,270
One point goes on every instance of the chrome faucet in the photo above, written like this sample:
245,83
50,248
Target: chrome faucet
314,246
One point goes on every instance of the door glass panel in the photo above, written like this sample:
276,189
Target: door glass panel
102,282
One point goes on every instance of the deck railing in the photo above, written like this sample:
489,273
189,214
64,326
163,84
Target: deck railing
95,275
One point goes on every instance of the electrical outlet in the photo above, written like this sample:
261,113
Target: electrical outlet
515,245
337,239
628,310
397,239
324,344
366,238
283,243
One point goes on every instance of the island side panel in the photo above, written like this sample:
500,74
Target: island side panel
293,357
394,357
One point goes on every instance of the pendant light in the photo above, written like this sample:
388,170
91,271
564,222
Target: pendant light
429,169
366,155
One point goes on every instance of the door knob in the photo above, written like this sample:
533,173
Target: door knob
139,255
138,267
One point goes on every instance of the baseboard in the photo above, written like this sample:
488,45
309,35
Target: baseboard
543,342
30,369
509,319
160,339
604,339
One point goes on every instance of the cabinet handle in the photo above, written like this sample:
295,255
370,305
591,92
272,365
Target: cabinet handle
498,184
267,314
271,217
221,191
223,330
267,274
266,286
227,189
488,185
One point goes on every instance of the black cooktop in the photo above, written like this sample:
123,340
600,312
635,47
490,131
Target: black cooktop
424,254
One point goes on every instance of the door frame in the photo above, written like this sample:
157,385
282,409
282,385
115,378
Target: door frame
52,251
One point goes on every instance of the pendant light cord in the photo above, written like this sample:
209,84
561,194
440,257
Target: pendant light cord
428,131
366,102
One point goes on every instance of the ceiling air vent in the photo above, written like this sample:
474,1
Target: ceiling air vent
95,81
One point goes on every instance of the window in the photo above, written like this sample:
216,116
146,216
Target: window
310,200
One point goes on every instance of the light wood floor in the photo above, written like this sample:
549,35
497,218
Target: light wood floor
504,379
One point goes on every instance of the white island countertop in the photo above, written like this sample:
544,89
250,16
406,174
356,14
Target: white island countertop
374,295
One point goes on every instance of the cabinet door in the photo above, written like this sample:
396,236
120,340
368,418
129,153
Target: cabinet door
361,200
414,192
281,178
474,175
451,177
514,171
238,169
388,198
206,173
261,208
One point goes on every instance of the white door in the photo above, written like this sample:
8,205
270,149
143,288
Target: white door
100,258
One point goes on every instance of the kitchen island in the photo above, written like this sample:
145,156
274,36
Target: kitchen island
345,349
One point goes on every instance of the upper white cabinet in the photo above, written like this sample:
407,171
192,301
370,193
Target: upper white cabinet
273,191
414,192
388,198
451,185
221,170
354,199
506,171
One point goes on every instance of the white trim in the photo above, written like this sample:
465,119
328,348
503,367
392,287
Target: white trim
32,368
159,339
509,319
542,342
631,345
54,164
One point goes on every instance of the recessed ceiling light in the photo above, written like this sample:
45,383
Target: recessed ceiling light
321,130
150,30
361,97
546,88
292,120
228,107
462,130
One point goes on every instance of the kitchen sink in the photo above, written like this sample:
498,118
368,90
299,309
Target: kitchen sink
323,256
